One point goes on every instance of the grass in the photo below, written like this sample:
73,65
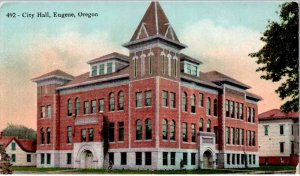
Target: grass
271,168
34,169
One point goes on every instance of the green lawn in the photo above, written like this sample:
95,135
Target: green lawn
34,169
271,168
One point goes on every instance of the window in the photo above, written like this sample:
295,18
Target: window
70,107
13,146
48,158
109,67
101,105
83,135
148,129
231,109
253,115
201,99
208,127
111,132
242,136
250,159
237,136
184,132
281,130
48,135
13,158
193,102
111,102
248,114
241,111
164,129
138,135
238,159
228,159
236,114
135,67
69,139
69,158
227,108
175,67
91,134
173,158
172,100
42,136
138,158
121,131
49,111
208,110
253,159
253,138
193,158
243,158
94,106
148,158
77,108
193,133
121,101
28,158
215,107
163,64
227,135
42,158
165,158
123,158
138,99
184,102
172,130
194,70
111,158
232,135
233,158
86,107
164,98
248,138
148,100
43,115
201,124
150,65
101,69
94,70
266,127
185,158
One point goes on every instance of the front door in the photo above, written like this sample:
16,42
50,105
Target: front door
207,160
88,160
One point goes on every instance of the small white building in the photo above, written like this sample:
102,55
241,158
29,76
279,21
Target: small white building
21,151
278,138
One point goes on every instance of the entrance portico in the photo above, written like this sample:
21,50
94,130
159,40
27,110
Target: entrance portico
207,151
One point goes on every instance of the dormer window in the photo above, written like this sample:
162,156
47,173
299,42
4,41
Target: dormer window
94,70
191,69
109,67
101,69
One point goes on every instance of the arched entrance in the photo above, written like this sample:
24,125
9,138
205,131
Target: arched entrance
86,159
207,160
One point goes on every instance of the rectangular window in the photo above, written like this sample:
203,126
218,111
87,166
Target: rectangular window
184,132
237,136
232,135
238,159
48,158
233,158
172,100
193,158
42,158
266,127
164,98
253,115
228,159
69,158
173,158
250,159
163,64
86,107
201,99
150,65
253,138
193,102
49,111
188,69
227,108
281,130
175,67
248,138
83,135
121,131
109,67
91,134
148,100
94,106
185,155
43,115
28,158
249,114
94,70
69,138
111,132
123,158
243,159
148,158
13,146
101,105
138,99
138,158
111,158
135,67
13,158
281,147
165,158
193,133
193,70
101,69
227,135
242,136
236,112
241,111
253,159
231,109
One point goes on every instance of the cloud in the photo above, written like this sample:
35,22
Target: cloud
225,49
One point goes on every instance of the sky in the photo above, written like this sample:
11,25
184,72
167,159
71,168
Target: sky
220,34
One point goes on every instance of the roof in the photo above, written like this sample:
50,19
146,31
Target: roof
186,57
110,56
55,73
26,145
277,114
154,24
251,95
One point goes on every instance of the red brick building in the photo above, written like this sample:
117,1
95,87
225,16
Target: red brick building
152,109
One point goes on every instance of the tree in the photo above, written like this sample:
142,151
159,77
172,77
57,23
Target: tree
278,58
20,131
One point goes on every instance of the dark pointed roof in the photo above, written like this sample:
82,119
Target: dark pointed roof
154,24
55,73
277,114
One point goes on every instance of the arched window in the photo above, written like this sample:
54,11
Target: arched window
111,102
150,64
193,103
77,108
70,107
208,127
193,133
215,107
184,102
208,110
163,63
164,129
121,101
172,130
148,129
48,135
201,124
42,136
138,132
135,67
